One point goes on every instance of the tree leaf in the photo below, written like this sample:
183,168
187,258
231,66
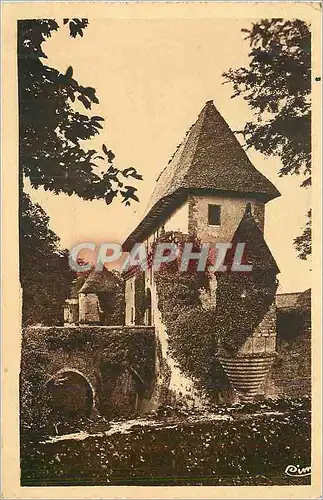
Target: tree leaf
84,101
69,72
51,150
111,155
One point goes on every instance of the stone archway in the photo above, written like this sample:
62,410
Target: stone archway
70,393
125,397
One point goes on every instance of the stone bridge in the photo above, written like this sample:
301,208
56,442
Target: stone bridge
88,370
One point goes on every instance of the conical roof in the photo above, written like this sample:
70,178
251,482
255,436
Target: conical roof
77,284
100,281
256,250
211,159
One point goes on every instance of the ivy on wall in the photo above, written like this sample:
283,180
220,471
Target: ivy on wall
112,302
108,352
243,299
35,411
191,330
140,298
198,335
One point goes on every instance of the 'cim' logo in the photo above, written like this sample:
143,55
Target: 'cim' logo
295,470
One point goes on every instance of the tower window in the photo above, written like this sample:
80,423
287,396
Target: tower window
214,215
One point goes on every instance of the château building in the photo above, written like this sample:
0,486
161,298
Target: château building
210,190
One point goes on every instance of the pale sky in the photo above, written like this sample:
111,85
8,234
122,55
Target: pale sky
152,78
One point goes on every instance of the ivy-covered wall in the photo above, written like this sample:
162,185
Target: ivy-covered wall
291,371
199,337
140,298
116,361
245,309
192,340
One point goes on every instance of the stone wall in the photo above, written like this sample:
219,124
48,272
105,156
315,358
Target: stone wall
291,371
71,311
89,308
263,339
178,221
232,210
130,301
118,363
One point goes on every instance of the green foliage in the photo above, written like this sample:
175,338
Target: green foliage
290,324
277,87
109,352
51,155
177,289
113,303
193,340
140,298
51,129
242,302
191,329
45,274
303,243
292,366
76,26
248,447
35,413
197,335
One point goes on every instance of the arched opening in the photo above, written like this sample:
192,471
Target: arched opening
70,394
148,310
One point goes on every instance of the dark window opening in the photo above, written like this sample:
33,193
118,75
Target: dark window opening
214,215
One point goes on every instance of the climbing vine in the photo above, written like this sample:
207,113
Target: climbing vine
112,302
191,329
140,298
243,300
104,352
197,336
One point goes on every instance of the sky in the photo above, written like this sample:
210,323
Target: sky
152,78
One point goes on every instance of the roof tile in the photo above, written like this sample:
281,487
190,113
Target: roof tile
209,158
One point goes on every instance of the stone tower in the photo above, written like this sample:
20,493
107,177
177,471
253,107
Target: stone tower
246,312
210,189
